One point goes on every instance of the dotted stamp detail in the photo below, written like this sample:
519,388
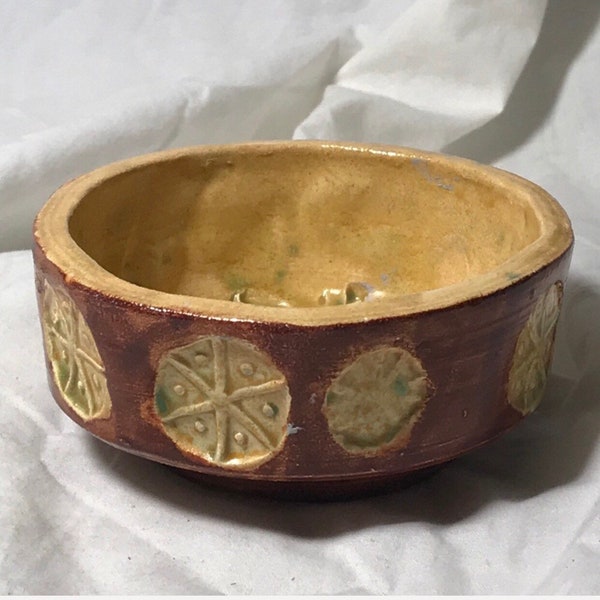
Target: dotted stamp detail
223,400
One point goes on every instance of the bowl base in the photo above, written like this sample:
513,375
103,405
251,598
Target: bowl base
310,490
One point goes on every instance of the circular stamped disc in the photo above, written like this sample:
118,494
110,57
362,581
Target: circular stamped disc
222,399
76,364
373,404
533,353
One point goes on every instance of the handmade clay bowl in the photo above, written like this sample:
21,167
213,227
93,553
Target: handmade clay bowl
302,318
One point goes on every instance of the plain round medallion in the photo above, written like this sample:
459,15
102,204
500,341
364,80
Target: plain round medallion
374,403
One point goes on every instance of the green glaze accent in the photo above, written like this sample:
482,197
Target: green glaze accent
400,387
161,401
330,397
62,372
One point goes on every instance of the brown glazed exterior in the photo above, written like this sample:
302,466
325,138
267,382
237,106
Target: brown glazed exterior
458,349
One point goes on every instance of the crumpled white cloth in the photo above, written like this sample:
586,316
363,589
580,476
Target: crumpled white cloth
512,83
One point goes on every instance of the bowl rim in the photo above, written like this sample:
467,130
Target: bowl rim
51,233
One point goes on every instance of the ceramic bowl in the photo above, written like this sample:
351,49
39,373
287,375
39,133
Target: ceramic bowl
302,318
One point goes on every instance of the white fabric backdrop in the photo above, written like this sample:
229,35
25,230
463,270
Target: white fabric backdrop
507,82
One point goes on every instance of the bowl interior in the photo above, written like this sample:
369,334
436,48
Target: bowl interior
300,227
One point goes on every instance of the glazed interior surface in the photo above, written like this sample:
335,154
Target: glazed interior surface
302,227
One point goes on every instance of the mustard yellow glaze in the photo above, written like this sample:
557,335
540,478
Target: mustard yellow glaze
285,228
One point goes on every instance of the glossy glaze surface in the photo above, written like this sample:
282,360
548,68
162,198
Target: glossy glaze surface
283,228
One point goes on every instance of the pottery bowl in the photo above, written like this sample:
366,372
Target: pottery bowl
302,318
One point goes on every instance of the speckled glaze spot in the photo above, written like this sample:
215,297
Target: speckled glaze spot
533,353
223,400
374,403
76,364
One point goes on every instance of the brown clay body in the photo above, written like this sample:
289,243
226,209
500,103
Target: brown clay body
302,318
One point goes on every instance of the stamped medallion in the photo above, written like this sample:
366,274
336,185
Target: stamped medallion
374,403
76,364
223,400
533,353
